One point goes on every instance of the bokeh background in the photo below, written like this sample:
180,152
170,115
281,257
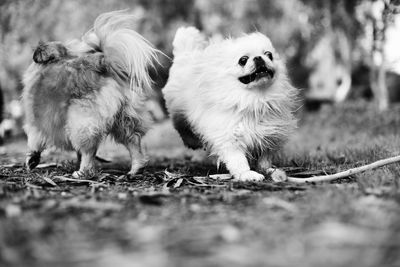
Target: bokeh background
344,57
335,50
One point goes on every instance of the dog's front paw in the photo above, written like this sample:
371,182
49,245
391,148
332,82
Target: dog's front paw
133,172
136,168
32,159
250,176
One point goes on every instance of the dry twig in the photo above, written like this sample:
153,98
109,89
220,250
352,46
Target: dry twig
343,174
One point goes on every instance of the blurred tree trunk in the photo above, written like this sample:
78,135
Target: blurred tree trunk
382,13
378,59
330,59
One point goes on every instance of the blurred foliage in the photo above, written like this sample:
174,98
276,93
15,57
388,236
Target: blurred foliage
294,26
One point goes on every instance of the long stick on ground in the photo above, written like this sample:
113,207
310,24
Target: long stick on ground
327,178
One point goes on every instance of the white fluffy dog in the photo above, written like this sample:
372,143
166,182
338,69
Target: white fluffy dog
75,95
232,97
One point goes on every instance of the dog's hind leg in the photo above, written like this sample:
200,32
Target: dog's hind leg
138,160
85,139
128,131
89,121
36,144
133,144
85,131
85,135
87,162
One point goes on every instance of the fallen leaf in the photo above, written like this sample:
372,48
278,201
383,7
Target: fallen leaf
13,165
66,179
226,176
178,183
48,180
171,175
47,165
198,180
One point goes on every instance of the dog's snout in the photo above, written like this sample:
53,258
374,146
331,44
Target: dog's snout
259,62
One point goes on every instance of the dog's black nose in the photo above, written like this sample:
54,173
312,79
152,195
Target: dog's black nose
259,62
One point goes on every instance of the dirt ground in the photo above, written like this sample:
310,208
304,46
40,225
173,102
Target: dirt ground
175,213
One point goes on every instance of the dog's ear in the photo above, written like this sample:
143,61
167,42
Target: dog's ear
48,52
37,55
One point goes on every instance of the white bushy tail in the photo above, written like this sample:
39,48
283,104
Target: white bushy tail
129,54
188,39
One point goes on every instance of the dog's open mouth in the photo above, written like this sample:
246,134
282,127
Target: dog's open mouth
258,74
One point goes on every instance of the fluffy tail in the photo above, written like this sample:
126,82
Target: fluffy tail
128,53
188,39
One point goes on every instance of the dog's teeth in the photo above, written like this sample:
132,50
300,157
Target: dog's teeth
256,75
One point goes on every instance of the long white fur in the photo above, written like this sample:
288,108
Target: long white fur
236,122
126,49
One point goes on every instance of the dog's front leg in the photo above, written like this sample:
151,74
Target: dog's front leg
32,159
86,163
36,145
237,164
137,158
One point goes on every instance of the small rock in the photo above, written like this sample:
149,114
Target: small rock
278,175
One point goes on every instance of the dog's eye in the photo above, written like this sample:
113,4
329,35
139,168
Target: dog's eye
243,60
269,55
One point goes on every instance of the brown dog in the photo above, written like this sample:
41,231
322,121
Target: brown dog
76,95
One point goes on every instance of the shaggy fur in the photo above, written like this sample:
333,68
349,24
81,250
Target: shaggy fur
239,109
75,95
